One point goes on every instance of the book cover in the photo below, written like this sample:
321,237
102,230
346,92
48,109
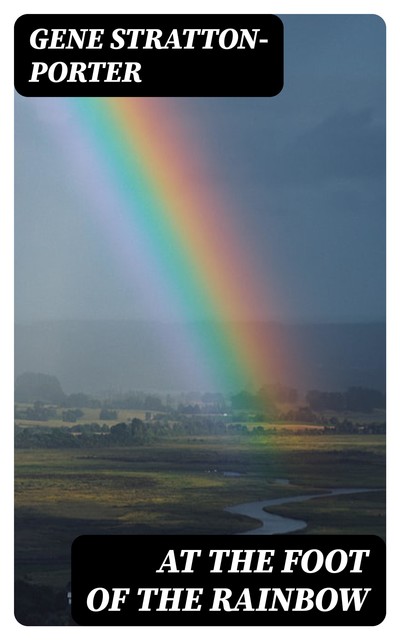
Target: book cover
200,320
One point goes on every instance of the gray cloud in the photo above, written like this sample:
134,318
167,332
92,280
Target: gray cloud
305,172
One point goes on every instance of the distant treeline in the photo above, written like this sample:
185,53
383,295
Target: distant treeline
39,412
40,390
137,432
354,399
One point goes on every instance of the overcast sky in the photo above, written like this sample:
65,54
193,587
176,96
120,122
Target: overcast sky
306,170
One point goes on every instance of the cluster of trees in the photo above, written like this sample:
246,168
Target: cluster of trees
266,396
303,415
44,438
135,432
39,412
354,399
190,403
135,400
71,415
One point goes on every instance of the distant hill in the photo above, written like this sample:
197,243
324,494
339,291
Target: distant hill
119,355
32,387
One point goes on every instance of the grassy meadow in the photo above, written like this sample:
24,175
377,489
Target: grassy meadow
179,487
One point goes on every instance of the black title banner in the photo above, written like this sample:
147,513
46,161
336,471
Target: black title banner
148,55
228,580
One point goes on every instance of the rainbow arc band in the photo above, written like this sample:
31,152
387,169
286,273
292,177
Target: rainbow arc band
163,209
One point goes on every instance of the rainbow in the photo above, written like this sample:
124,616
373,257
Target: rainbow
172,228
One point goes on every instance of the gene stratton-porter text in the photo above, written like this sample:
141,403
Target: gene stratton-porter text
129,39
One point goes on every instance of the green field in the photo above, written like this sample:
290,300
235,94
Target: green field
178,486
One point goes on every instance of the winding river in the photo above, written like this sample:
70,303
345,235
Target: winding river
271,524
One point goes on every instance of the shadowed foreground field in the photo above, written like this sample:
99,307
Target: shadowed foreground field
179,487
